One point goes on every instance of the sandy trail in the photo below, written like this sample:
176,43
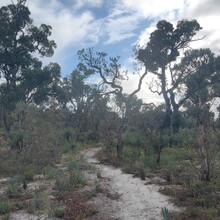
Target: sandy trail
137,201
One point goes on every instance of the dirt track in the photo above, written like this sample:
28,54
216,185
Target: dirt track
137,201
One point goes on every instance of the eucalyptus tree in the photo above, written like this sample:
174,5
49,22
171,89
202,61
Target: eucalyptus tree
201,89
201,68
111,74
159,56
22,74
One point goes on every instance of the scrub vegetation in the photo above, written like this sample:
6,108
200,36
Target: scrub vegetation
47,119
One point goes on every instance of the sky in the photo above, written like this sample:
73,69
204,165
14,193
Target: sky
116,26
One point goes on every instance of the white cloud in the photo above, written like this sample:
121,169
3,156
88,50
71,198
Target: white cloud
88,3
120,28
68,28
153,8
145,94
126,15
204,11
5,2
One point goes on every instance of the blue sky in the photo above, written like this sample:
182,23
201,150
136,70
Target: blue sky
115,26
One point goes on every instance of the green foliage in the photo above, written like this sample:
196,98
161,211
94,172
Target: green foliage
62,182
99,174
16,139
13,189
193,212
77,178
29,175
149,162
26,79
5,207
131,153
71,165
39,203
58,212
165,213
50,172
157,54
133,138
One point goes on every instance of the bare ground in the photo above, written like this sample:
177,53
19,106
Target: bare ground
137,199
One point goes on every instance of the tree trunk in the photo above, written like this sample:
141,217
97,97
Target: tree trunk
120,145
203,153
175,115
5,118
167,119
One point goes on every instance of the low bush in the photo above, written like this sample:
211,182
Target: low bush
150,162
50,172
29,175
62,183
58,212
77,178
5,207
40,202
71,165
13,189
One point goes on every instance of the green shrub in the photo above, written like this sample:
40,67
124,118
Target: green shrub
91,212
5,207
62,183
71,165
129,168
150,162
39,202
13,189
99,174
165,213
29,175
77,178
16,139
131,153
193,212
50,172
212,213
59,212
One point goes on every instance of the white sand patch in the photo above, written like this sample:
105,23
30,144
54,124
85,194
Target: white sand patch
137,201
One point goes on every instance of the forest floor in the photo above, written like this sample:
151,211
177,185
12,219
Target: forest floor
137,199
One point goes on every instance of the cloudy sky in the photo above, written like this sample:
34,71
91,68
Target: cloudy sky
115,26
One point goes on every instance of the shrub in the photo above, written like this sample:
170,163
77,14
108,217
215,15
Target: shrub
13,189
165,213
29,175
59,212
98,174
5,207
40,202
71,165
62,183
50,172
77,178
150,162
193,212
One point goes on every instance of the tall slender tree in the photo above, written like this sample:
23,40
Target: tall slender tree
22,73
159,55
